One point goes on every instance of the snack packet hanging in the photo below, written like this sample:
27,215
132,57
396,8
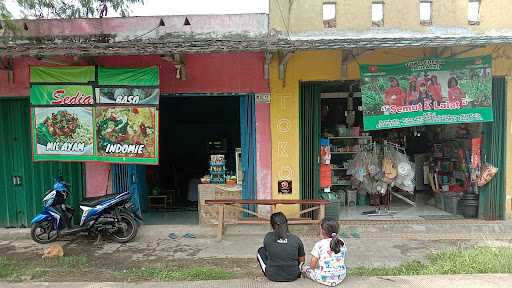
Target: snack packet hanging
488,171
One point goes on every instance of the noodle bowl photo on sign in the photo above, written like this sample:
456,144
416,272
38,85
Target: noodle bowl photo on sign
128,95
126,131
63,130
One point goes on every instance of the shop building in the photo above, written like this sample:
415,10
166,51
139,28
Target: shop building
316,86
211,83
277,86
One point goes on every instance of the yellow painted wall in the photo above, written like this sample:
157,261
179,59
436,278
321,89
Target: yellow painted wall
306,15
362,10
284,112
278,9
326,65
452,13
495,15
297,15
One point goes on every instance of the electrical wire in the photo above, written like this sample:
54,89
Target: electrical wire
142,35
285,23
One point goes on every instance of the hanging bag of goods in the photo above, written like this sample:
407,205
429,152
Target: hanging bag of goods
405,172
388,166
487,173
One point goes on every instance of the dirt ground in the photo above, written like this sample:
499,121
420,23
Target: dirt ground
107,261
85,263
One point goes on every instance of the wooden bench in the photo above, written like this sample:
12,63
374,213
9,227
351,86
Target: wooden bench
236,204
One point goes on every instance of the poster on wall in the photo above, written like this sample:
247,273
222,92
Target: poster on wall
63,130
127,95
126,132
284,187
118,123
428,91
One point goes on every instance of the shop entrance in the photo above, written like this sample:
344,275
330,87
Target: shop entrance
436,160
191,129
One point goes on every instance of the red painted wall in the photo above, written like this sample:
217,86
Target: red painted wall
206,73
98,179
263,156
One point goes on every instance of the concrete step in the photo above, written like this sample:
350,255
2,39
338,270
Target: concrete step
390,230
368,230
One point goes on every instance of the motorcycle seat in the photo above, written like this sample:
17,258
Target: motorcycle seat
95,201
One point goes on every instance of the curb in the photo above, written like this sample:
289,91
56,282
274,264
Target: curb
7,234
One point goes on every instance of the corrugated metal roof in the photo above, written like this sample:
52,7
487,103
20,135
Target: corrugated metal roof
94,45
373,43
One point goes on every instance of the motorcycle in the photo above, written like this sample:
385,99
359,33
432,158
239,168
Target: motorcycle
109,215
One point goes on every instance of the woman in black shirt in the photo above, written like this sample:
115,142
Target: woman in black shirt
282,253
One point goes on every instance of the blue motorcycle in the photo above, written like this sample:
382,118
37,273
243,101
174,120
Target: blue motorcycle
110,216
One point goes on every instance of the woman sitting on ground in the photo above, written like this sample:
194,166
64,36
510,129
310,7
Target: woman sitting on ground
282,253
327,265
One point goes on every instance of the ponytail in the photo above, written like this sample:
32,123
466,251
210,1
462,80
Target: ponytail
330,228
279,224
336,243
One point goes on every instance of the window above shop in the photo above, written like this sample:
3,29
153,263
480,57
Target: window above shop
329,14
474,12
377,13
426,12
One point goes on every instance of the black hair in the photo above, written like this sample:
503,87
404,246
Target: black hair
279,224
454,81
330,228
396,79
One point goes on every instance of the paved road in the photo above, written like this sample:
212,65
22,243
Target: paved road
454,281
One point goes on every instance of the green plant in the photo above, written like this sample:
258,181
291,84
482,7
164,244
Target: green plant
73,8
9,270
477,91
179,274
71,262
477,260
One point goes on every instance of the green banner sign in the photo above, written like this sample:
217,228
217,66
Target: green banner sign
62,74
56,95
69,125
427,91
147,76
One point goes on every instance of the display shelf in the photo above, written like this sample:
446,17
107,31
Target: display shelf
217,164
217,169
341,184
352,143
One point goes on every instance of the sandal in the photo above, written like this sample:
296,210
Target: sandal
173,236
189,236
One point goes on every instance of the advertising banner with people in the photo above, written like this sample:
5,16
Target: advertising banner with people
118,124
428,91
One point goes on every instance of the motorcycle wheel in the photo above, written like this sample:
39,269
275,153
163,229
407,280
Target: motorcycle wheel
43,232
127,229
